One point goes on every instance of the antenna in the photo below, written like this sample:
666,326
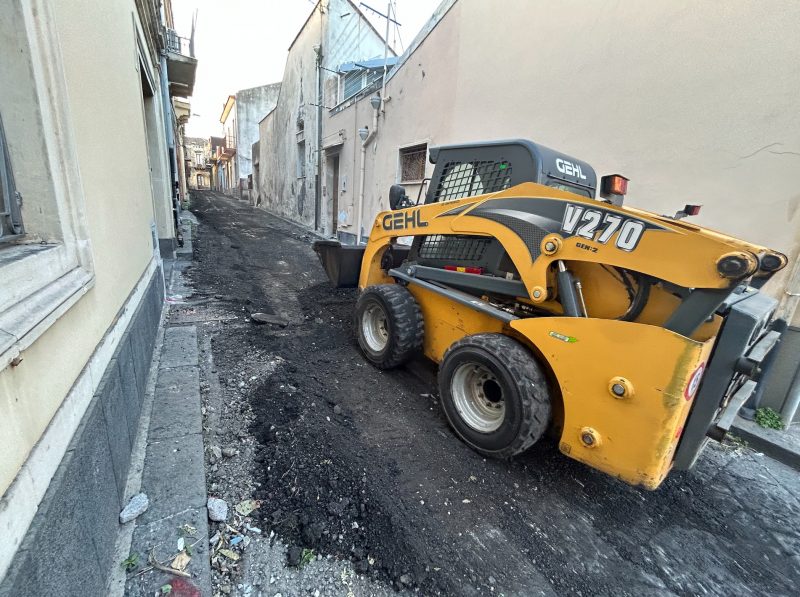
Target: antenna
389,21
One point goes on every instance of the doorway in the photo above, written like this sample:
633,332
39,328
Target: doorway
333,189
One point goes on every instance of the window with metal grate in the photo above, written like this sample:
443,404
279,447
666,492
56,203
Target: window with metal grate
412,163
466,179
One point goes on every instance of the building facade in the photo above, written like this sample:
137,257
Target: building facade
197,152
229,179
90,187
216,151
290,177
240,117
181,112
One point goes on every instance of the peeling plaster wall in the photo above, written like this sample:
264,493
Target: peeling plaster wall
285,187
696,103
251,106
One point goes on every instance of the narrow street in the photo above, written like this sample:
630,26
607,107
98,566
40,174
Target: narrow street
359,465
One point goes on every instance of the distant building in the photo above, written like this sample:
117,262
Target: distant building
216,146
182,111
336,55
240,117
197,160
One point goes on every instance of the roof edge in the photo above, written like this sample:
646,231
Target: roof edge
437,16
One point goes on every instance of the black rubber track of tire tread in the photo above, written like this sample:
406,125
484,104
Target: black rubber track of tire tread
409,326
524,368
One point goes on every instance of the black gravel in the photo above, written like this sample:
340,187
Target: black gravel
360,464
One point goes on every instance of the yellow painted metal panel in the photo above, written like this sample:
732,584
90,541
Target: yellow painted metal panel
635,436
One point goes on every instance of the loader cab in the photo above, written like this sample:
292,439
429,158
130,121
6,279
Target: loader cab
478,168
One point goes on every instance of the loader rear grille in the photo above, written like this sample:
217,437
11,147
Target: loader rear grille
467,179
453,247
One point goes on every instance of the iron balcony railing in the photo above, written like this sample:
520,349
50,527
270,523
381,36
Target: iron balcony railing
178,44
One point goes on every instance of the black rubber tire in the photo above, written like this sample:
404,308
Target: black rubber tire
525,392
405,326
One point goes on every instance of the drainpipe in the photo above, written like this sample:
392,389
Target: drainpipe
170,134
791,297
366,136
787,311
318,182
385,53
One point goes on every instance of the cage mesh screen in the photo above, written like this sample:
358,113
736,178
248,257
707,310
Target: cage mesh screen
457,248
465,179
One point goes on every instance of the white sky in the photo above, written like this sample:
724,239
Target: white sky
243,43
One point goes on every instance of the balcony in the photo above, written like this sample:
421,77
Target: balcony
181,63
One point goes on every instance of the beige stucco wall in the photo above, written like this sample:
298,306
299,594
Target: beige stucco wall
694,102
104,100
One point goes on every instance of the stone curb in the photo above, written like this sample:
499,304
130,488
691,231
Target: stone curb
783,446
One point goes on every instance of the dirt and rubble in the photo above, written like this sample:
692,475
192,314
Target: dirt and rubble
352,483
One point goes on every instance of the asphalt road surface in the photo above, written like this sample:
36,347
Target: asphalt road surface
360,465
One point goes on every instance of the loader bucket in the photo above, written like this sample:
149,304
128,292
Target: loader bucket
342,263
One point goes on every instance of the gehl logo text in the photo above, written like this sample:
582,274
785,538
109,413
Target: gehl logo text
570,169
402,220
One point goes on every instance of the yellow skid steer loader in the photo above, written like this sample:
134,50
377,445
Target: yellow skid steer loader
633,337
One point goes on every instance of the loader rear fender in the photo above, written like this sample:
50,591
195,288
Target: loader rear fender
626,389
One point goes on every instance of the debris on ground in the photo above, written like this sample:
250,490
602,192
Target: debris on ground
137,506
267,318
217,509
245,507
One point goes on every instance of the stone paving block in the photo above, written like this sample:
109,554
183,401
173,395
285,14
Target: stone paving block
91,477
180,347
141,361
49,569
162,536
113,402
174,476
79,511
176,406
154,304
132,399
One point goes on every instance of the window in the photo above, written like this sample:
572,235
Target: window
301,159
467,179
198,159
354,81
412,163
10,218
45,277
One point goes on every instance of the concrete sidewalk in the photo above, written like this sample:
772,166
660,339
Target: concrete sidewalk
173,472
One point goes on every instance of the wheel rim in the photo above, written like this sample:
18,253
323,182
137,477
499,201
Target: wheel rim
478,397
375,328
